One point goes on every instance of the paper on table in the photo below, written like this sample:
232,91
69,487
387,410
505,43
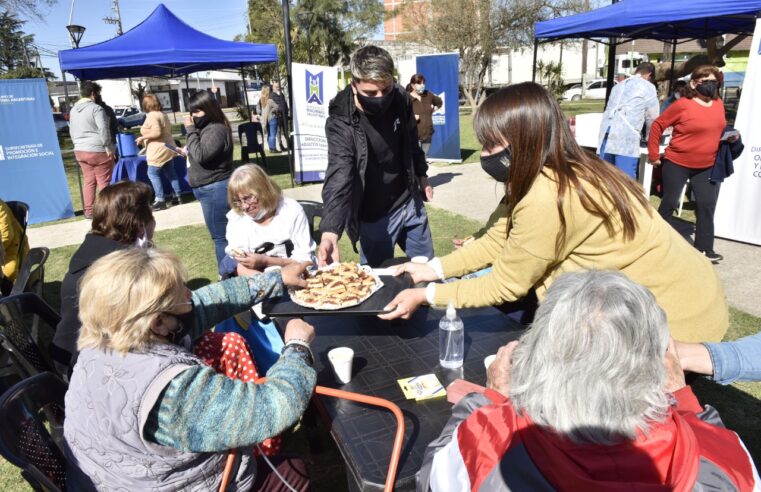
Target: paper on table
422,387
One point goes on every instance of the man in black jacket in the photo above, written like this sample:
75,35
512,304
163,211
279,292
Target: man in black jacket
277,96
376,179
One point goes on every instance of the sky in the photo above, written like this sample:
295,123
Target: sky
221,18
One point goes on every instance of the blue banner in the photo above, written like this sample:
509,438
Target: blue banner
442,78
31,168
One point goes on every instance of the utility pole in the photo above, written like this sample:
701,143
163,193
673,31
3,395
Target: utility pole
117,21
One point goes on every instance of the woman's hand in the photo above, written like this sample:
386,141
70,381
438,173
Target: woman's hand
458,243
328,251
500,371
293,274
253,261
187,120
426,187
674,372
298,329
140,140
656,162
420,272
404,304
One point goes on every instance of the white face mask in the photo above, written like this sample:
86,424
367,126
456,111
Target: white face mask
677,95
260,214
420,88
143,241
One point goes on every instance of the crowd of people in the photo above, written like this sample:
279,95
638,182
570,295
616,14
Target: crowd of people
623,303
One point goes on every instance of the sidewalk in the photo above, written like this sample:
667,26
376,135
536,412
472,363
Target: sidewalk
462,189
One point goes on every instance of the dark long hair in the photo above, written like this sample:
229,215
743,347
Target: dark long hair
204,101
529,119
418,78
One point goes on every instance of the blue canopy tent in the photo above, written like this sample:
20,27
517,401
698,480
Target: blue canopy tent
161,45
667,20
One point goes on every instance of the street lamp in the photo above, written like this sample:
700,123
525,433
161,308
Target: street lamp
75,32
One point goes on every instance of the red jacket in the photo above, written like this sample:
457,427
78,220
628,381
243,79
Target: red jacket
493,448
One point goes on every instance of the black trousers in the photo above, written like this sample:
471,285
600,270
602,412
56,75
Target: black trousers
706,195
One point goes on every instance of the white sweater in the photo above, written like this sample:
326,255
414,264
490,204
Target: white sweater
289,222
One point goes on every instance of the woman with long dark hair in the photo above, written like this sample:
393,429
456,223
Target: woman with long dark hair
424,103
210,153
567,210
698,121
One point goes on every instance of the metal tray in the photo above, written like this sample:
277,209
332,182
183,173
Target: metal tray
284,306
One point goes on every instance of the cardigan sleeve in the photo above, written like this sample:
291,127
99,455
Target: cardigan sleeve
202,411
525,256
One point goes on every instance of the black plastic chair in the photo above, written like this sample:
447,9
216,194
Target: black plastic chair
21,213
31,436
254,142
21,352
31,276
311,209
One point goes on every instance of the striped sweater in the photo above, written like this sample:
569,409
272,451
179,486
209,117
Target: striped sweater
202,411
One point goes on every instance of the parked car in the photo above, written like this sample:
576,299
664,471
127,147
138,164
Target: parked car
130,116
61,125
595,90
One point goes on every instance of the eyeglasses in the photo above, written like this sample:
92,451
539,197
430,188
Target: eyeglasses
246,200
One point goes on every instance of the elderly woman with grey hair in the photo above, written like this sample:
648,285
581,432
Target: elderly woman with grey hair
592,398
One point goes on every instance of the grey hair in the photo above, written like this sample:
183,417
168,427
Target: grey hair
591,366
373,64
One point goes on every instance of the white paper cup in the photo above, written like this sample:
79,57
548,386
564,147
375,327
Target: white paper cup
419,259
488,360
341,358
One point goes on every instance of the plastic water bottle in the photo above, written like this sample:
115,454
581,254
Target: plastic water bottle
451,340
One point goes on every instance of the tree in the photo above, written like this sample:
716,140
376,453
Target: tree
19,57
334,26
476,28
26,8
715,51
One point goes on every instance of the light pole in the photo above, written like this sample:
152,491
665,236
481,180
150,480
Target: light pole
75,33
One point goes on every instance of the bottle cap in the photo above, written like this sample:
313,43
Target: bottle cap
451,312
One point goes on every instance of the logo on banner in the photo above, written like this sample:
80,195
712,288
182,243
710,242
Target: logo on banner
314,88
2,153
439,116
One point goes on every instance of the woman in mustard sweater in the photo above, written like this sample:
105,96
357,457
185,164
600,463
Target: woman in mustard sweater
566,211
155,133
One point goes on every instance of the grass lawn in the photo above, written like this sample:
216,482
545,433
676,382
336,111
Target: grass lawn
738,403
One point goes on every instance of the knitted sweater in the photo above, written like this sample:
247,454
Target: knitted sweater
202,411
683,281
157,131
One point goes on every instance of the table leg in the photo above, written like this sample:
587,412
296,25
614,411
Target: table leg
645,173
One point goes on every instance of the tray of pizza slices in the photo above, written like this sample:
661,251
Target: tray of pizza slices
340,288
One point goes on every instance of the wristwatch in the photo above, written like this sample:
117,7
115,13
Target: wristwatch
301,347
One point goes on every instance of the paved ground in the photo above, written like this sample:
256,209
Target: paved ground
462,189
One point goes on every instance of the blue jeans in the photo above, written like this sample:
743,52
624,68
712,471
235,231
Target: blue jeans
272,133
406,226
736,361
154,175
626,163
213,198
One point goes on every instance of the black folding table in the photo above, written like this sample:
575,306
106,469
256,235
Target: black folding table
383,353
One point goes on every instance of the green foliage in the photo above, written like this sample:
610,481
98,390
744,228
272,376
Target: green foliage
333,28
19,57
551,76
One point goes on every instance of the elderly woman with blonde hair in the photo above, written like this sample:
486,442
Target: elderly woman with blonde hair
592,398
264,228
144,413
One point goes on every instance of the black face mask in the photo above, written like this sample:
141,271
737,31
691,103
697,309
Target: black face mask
200,121
497,165
707,88
375,105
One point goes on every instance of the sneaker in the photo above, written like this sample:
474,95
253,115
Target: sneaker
176,200
713,256
159,205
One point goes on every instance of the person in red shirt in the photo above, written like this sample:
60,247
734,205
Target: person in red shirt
698,122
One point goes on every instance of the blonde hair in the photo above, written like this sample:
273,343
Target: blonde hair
251,179
151,103
121,294
264,96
